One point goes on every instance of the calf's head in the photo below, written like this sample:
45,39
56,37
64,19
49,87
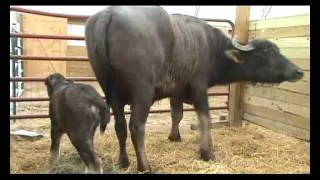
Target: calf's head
262,62
53,80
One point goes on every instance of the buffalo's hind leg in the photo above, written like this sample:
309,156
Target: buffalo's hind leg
176,116
139,112
121,131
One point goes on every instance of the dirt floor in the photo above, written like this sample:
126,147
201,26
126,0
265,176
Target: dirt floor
248,149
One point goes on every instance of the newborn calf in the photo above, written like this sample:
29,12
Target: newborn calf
77,110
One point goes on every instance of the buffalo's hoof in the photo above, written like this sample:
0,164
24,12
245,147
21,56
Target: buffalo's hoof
174,138
144,170
206,155
124,162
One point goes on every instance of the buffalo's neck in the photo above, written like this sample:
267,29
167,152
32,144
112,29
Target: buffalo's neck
226,71
235,72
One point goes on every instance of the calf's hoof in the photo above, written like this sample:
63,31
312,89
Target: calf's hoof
206,155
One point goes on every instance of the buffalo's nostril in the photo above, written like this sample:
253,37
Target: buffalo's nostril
299,72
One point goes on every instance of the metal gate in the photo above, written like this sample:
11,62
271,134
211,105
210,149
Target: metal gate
75,18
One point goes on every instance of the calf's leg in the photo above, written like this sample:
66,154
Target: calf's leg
56,135
82,139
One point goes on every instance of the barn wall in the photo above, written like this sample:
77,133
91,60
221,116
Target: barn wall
284,108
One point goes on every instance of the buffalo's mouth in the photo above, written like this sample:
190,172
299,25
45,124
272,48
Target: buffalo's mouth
296,76
295,79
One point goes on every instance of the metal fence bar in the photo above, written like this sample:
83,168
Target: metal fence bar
126,112
16,99
222,20
42,79
46,36
50,58
66,37
76,17
84,18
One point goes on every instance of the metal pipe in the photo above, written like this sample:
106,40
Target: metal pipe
46,36
16,99
64,37
50,58
126,112
76,17
84,18
14,84
222,20
42,79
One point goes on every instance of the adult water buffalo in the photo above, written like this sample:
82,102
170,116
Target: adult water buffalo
143,54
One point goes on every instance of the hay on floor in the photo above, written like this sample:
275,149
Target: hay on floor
249,149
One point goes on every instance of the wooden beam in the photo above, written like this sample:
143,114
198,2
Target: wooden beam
235,97
278,106
293,31
276,94
299,20
280,116
278,126
213,125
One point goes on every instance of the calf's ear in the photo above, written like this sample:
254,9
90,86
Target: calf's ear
70,81
47,81
234,55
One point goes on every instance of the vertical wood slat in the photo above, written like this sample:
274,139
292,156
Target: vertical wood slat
236,97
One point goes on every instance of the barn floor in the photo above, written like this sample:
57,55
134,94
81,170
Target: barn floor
248,149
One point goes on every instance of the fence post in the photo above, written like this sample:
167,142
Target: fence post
236,89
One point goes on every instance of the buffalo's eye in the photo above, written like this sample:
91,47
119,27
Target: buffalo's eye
266,50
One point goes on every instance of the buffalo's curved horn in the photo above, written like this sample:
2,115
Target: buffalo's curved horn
248,47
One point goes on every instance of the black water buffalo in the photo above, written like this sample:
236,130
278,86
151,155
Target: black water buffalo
142,54
77,110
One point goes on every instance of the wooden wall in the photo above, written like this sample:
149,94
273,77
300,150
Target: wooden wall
285,108
78,68
36,24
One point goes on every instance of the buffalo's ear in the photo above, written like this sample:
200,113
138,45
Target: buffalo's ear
234,55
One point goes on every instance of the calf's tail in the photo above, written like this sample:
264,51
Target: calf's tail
104,117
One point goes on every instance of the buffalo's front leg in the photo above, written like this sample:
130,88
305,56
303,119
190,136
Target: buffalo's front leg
202,109
176,116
